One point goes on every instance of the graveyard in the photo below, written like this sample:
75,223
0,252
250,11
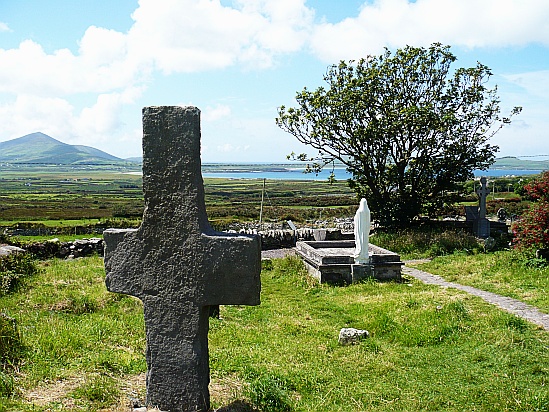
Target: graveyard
70,343
134,328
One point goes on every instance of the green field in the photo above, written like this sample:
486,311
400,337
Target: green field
83,197
430,349
79,347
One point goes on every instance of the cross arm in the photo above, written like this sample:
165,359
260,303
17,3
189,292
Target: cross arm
234,267
123,249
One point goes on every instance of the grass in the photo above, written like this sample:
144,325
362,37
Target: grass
429,348
425,243
507,273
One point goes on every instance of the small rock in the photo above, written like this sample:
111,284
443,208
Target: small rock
6,250
349,336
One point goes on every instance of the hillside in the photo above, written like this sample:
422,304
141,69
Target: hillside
43,149
510,162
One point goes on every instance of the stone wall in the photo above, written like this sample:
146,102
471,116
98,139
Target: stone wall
66,250
270,239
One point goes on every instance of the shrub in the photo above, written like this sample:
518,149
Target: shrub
539,188
532,229
13,269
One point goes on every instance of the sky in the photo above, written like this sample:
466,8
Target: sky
81,71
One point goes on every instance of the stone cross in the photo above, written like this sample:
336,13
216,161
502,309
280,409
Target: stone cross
483,225
176,264
482,192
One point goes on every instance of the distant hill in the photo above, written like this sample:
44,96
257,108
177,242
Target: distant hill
41,148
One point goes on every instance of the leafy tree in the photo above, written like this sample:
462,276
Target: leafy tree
405,126
532,229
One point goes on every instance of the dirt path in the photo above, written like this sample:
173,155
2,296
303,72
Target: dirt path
514,306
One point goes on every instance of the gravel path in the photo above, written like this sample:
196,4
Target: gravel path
514,306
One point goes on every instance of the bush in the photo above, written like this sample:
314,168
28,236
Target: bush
532,229
13,269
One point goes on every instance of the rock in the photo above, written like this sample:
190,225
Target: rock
350,336
6,250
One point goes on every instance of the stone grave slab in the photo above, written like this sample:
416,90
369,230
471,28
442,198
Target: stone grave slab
334,262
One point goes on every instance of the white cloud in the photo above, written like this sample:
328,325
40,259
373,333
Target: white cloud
192,35
104,117
468,23
28,114
212,114
534,83
29,69
4,27
229,148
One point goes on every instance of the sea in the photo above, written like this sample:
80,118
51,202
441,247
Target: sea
340,174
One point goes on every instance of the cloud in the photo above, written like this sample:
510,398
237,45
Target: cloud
104,117
29,114
212,114
193,35
467,23
229,148
534,83
82,95
29,69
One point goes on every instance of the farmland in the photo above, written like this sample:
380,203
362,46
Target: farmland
57,196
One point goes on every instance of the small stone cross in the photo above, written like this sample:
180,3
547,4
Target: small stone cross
483,225
176,264
482,193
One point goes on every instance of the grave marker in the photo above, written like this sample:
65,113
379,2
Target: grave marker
483,224
176,264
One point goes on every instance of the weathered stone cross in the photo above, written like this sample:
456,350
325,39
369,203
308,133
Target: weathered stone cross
483,192
483,225
176,264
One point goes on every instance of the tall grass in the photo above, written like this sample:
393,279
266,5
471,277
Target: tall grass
416,243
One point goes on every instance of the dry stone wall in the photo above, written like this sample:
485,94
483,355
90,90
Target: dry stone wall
270,239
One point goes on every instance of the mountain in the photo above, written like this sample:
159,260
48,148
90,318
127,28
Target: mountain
41,148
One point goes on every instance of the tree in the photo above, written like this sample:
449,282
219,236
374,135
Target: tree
406,128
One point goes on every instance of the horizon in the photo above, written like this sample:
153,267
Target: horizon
81,73
338,164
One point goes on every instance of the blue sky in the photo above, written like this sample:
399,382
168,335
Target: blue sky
80,71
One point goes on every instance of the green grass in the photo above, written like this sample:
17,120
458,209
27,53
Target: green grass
429,348
507,273
425,243
71,327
